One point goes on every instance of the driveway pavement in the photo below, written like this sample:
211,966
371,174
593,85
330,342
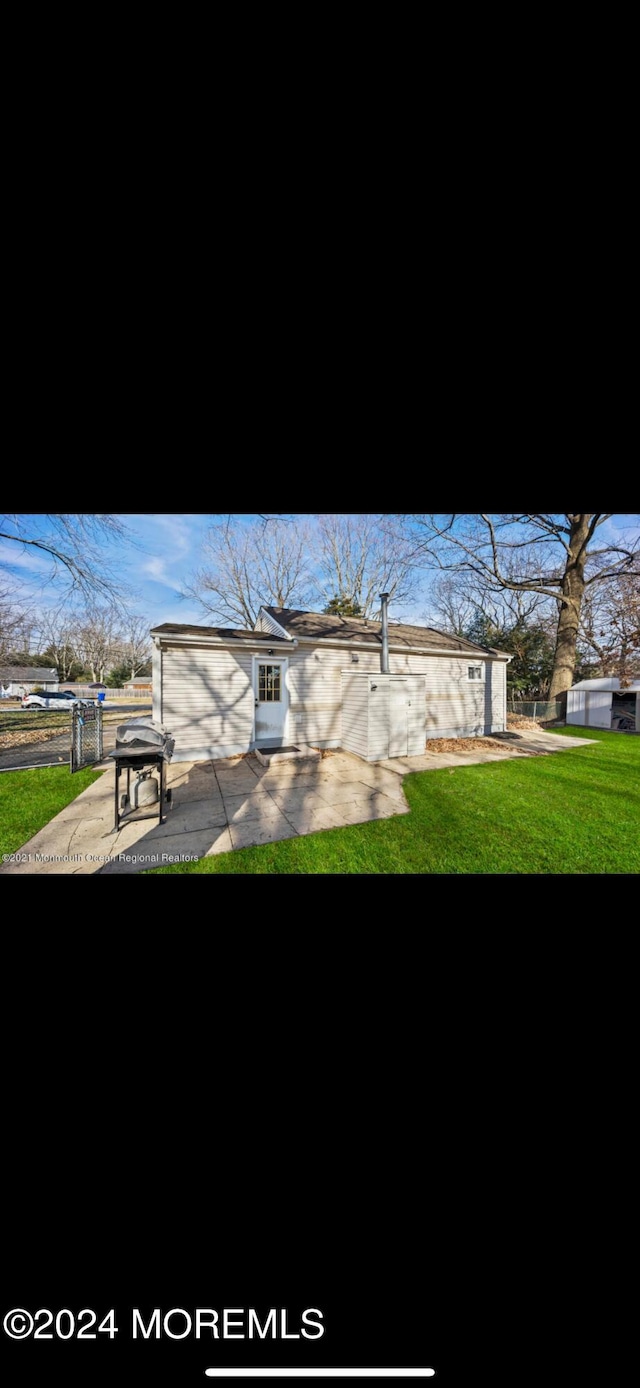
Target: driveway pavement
224,805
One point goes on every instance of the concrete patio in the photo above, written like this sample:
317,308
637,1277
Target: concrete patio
225,805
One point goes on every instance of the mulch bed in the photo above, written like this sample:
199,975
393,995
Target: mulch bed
522,724
464,744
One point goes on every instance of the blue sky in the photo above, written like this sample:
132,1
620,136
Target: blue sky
170,551
161,555
165,552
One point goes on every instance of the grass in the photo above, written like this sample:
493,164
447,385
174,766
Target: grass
577,811
29,799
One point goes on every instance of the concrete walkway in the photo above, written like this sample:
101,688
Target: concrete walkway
224,805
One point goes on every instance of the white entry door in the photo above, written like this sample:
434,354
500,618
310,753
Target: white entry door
271,699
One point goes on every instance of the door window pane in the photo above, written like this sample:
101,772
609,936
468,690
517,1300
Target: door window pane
269,684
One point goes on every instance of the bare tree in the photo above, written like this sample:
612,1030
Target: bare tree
75,544
453,604
16,622
457,600
97,640
361,556
58,634
248,564
610,626
558,556
134,645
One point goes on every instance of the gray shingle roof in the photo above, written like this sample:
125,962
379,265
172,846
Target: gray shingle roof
224,633
321,626
25,674
328,627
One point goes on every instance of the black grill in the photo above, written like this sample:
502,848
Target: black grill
139,744
144,735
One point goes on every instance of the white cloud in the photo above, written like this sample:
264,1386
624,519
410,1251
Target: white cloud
156,568
175,532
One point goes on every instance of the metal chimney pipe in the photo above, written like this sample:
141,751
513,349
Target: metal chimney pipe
384,653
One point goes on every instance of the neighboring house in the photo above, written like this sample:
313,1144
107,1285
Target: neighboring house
16,680
317,679
602,704
142,683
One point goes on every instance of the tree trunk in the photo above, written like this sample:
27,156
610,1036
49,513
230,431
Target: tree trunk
564,661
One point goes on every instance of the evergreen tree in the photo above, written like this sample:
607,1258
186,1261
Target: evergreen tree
343,607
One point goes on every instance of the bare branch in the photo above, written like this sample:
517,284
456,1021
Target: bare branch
248,564
360,556
75,545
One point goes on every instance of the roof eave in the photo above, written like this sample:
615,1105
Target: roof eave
176,638
476,651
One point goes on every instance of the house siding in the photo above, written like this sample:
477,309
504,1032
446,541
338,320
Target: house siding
354,714
205,698
496,696
207,701
454,706
315,692
267,624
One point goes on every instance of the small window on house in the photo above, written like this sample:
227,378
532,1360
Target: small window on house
475,672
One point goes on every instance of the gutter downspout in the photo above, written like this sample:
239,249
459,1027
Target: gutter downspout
384,653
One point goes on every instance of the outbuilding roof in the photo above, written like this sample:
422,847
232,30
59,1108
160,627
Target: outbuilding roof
607,682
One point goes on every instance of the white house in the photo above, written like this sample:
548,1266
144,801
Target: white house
603,704
305,677
20,679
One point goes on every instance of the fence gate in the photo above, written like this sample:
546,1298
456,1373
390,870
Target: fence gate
86,736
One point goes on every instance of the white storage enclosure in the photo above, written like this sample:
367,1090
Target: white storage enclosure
383,715
602,703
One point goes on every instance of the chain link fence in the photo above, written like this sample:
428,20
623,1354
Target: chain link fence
86,736
543,710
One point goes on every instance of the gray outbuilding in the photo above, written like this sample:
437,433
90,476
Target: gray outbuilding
601,703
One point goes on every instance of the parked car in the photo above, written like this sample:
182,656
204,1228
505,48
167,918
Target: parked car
58,701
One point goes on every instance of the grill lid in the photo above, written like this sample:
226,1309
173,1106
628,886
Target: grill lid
144,734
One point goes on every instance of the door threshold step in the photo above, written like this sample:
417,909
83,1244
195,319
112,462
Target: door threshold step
268,755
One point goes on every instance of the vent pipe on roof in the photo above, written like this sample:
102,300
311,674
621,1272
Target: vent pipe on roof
384,653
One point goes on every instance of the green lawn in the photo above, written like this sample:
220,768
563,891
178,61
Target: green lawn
29,799
573,812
